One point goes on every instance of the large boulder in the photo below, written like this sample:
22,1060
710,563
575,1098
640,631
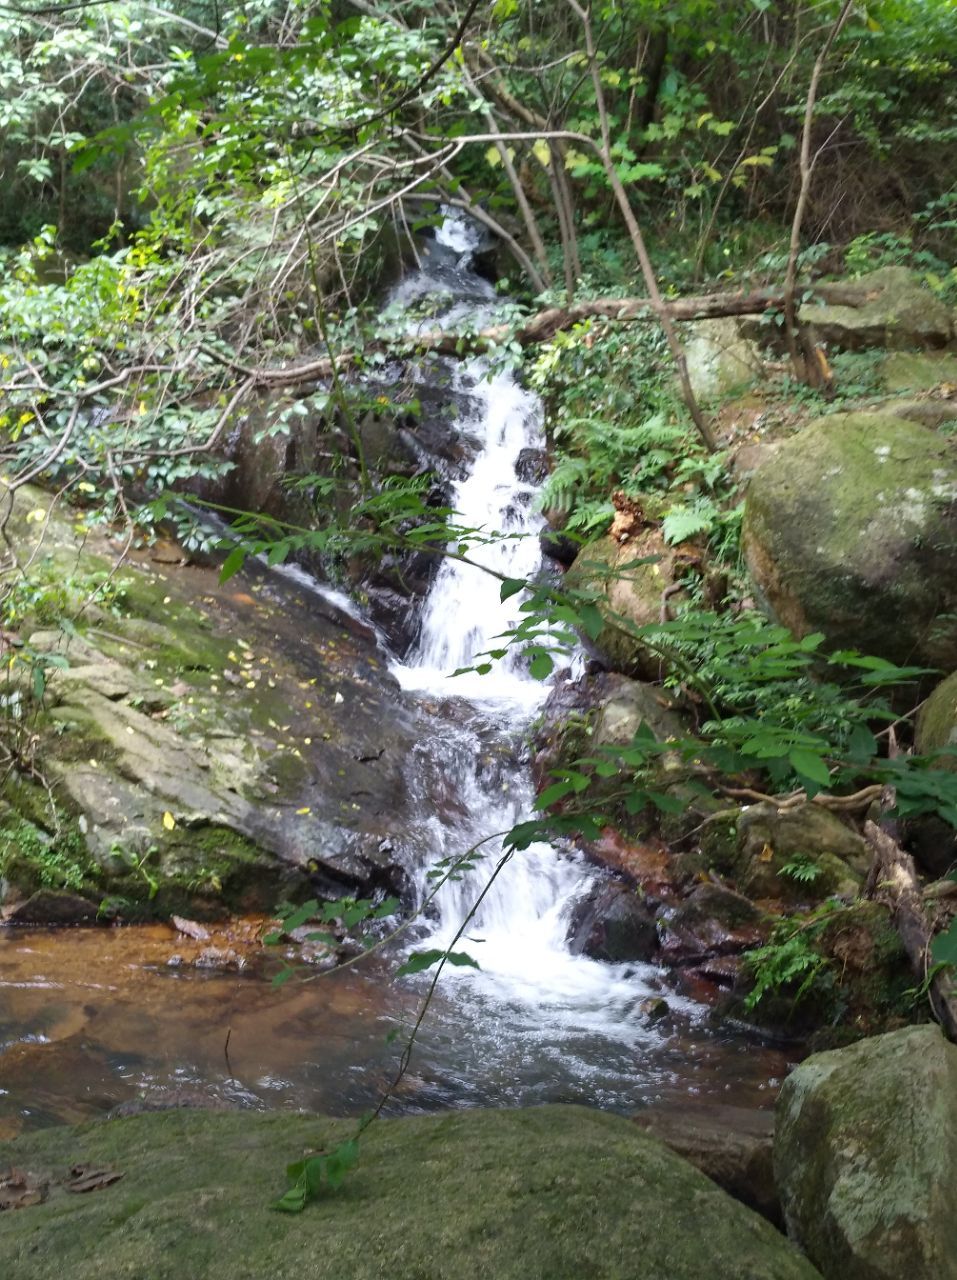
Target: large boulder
202,754
550,1193
891,307
732,1145
851,529
937,724
865,1157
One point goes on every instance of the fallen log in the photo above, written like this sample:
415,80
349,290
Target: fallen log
542,327
896,882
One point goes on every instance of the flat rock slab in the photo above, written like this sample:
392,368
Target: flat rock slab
549,1193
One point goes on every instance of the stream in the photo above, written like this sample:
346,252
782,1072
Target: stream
92,1019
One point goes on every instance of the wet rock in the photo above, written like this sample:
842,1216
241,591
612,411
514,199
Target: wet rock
53,906
730,1145
531,465
851,529
224,959
806,853
603,708
654,1009
894,309
712,921
865,1155
559,546
184,792
612,923
556,1191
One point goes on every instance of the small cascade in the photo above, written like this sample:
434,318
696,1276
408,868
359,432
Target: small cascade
518,933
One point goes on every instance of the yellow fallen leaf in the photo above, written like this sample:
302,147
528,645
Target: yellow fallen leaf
305,810
169,822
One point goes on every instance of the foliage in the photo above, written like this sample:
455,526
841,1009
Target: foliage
789,960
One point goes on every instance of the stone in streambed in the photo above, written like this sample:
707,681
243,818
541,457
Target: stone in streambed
731,1145
613,923
548,1193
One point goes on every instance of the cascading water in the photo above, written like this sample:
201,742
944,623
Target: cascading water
528,980
534,1024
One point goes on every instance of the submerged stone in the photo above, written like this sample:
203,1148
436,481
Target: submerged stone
549,1193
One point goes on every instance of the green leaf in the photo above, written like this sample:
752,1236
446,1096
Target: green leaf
554,793
511,587
233,563
419,961
294,1201
943,949
541,665
809,766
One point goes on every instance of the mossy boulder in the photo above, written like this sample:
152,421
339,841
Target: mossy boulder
865,1156
550,1193
891,307
805,853
851,529
918,370
628,579
202,754
937,725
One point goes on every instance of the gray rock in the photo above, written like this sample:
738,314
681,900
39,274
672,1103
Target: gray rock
719,357
712,921
896,310
53,906
865,1156
733,1146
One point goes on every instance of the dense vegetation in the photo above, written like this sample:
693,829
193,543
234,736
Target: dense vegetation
200,211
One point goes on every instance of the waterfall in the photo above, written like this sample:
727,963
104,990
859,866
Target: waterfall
518,934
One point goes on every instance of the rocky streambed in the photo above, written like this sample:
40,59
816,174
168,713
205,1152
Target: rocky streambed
217,749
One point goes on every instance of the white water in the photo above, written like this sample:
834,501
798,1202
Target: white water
528,981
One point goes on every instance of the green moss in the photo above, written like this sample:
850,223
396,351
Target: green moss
851,529
32,858
937,726
548,1193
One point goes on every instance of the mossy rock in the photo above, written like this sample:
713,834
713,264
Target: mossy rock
918,371
937,725
865,1157
550,1193
824,854
893,309
851,530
